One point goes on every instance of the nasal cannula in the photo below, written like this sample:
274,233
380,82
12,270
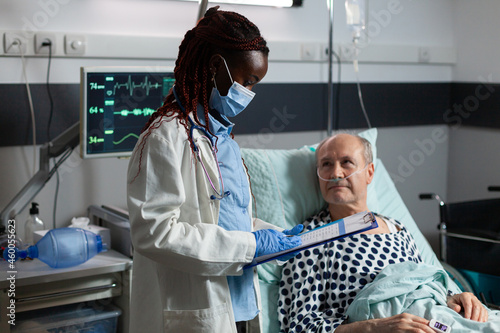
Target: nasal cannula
339,179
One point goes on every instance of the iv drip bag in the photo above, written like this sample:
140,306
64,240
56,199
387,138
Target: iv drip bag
355,16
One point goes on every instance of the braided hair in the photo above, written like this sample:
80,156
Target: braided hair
218,32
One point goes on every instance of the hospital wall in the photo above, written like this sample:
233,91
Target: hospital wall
474,150
407,100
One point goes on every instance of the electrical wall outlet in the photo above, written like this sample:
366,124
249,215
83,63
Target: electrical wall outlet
15,43
308,51
45,37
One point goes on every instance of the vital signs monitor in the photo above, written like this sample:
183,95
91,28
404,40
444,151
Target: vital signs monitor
115,104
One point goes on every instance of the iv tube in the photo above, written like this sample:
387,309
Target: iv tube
356,20
356,71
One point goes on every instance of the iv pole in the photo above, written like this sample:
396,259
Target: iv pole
331,110
202,9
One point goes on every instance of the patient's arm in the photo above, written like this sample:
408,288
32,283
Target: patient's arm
471,307
400,323
464,302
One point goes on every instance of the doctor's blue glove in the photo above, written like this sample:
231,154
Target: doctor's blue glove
295,230
271,241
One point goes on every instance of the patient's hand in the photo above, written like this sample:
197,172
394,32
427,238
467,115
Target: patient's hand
400,323
471,307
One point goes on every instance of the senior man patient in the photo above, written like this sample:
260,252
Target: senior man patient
370,282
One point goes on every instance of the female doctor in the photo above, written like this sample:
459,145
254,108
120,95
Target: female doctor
188,192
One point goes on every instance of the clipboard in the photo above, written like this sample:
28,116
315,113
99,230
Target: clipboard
347,226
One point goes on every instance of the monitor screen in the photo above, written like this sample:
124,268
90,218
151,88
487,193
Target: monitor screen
115,104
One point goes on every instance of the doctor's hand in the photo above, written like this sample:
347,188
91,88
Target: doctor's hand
471,307
271,241
295,230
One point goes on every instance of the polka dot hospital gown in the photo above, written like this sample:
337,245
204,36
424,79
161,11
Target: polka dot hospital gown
320,283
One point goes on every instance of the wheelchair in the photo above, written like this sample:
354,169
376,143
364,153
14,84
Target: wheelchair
469,245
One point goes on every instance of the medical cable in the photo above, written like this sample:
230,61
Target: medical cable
49,93
336,180
28,90
55,170
56,194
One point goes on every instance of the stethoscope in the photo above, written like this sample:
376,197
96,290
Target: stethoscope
206,136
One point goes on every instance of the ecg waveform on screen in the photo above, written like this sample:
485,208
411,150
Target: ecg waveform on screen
129,84
97,140
126,137
135,112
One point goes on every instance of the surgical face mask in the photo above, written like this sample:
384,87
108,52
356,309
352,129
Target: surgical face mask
236,100
339,179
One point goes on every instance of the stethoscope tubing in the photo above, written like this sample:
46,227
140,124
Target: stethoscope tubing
217,195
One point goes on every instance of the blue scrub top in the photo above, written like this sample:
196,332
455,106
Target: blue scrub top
233,213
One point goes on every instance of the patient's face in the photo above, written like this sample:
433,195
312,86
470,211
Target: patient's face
340,157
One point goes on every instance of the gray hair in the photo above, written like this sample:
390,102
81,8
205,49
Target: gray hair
367,146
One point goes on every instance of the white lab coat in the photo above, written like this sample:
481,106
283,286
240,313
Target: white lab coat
181,256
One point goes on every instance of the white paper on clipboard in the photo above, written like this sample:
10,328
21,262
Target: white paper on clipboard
338,229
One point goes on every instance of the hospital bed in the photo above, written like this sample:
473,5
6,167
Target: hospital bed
286,192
